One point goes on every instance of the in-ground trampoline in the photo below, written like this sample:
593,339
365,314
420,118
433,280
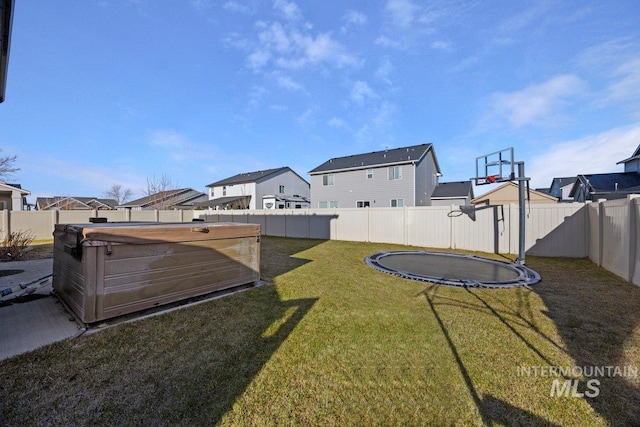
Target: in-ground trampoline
453,269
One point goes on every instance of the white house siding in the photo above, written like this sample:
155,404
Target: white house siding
270,185
352,186
236,190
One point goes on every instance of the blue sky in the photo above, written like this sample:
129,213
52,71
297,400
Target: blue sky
104,92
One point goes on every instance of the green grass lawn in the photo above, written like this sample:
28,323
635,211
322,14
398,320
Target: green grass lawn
330,341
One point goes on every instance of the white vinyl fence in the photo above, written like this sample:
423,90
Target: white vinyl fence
606,232
552,230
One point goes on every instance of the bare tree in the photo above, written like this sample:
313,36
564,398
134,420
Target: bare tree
118,193
7,166
161,191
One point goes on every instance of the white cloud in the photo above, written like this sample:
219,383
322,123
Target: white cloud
384,70
353,18
402,12
256,96
387,42
361,92
307,118
237,7
293,46
287,82
627,85
537,102
289,10
258,59
167,138
591,154
336,122
275,37
201,5
441,45
616,62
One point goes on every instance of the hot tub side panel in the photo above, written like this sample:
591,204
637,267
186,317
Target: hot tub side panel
141,276
74,279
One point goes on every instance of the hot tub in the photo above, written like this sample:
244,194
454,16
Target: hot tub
106,270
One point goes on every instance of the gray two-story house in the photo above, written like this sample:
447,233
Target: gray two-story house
278,188
391,178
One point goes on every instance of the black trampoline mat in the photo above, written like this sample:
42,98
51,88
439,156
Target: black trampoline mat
449,267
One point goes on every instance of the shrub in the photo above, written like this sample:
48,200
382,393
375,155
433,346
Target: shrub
15,244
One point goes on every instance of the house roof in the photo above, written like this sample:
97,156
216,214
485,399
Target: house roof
177,197
453,190
607,182
247,177
635,156
72,202
222,201
563,182
12,187
493,193
394,156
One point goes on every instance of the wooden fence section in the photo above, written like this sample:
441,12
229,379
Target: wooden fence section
606,232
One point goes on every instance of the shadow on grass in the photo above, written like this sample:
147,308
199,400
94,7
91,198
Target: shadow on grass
596,314
492,410
186,367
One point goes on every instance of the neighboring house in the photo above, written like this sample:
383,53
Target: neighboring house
284,202
452,193
396,177
247,190
605,186
632,164
508,193
182,198
69,203
13,197
561,188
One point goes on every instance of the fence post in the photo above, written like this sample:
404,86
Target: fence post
600,232
452,229
5,227
55,219
633,235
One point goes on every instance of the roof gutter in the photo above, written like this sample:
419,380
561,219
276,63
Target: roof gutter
6,20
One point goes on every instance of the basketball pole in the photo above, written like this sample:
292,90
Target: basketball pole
522,215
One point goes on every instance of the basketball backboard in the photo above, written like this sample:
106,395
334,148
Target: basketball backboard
495,167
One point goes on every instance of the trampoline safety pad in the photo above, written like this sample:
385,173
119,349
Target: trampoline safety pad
453,269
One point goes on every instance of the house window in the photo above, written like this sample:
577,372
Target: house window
281,189
369,173
323,205
327,179
363,204
395,172
334,204
397,203
224,190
